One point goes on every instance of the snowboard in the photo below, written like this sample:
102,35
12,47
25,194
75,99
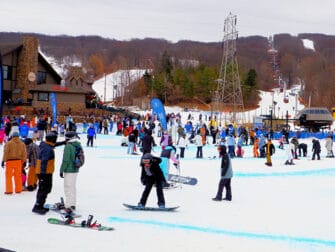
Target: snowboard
165,209
54,207
97,227
182,179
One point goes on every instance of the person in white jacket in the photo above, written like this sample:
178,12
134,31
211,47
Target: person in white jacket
289,153
198,143
329,146
182,144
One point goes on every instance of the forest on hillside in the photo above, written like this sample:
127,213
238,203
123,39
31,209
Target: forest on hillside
189,68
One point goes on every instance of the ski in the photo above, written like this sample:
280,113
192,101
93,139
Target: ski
164,209
70,222
182,179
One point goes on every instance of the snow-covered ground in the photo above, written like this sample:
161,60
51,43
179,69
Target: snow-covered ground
279,208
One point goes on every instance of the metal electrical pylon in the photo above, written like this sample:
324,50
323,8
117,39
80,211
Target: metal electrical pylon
228,95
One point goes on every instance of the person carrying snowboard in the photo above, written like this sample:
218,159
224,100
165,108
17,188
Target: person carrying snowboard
151,174
226,175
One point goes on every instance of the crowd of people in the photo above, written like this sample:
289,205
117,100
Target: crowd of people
30,147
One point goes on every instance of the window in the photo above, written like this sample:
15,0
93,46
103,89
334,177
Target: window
43,96
41,77
7,72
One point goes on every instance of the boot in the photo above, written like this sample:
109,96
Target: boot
39,210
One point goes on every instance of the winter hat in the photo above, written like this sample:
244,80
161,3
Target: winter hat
15,134
71,135
146,159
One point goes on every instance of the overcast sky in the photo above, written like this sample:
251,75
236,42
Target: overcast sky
169,19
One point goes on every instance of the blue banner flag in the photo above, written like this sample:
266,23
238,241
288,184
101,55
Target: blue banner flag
53,104
158,109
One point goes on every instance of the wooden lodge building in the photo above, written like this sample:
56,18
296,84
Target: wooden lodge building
28,80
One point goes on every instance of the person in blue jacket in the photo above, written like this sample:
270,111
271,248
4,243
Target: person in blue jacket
24,130
90,135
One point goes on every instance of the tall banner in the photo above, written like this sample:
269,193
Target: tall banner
53,104
1,88
158,109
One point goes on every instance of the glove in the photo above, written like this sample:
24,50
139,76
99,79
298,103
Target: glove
143,181
3,164
61,175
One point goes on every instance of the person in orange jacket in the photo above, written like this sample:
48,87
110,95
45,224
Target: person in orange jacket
256,152
15,156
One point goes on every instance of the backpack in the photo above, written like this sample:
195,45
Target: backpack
79,158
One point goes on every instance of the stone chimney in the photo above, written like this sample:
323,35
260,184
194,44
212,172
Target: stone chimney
28,63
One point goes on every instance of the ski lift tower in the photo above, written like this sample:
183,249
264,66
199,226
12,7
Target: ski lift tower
228,95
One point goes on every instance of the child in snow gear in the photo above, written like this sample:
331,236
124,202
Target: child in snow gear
15,156
226,175
32,150
151,174
69,170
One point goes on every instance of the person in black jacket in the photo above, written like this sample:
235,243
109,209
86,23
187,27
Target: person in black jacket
151,174
147,142
316,148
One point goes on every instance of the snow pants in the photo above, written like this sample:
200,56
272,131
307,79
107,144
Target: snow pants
13,169
32,177
44,188
159,190
224,183
70,189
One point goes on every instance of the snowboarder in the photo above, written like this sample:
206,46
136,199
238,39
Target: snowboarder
69,171
168,153
45,167
226,175
151,174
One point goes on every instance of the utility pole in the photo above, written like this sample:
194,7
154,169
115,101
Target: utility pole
229,93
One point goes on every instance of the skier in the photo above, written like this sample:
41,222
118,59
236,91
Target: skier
45,167
15,156
151,174
226,175
69,171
